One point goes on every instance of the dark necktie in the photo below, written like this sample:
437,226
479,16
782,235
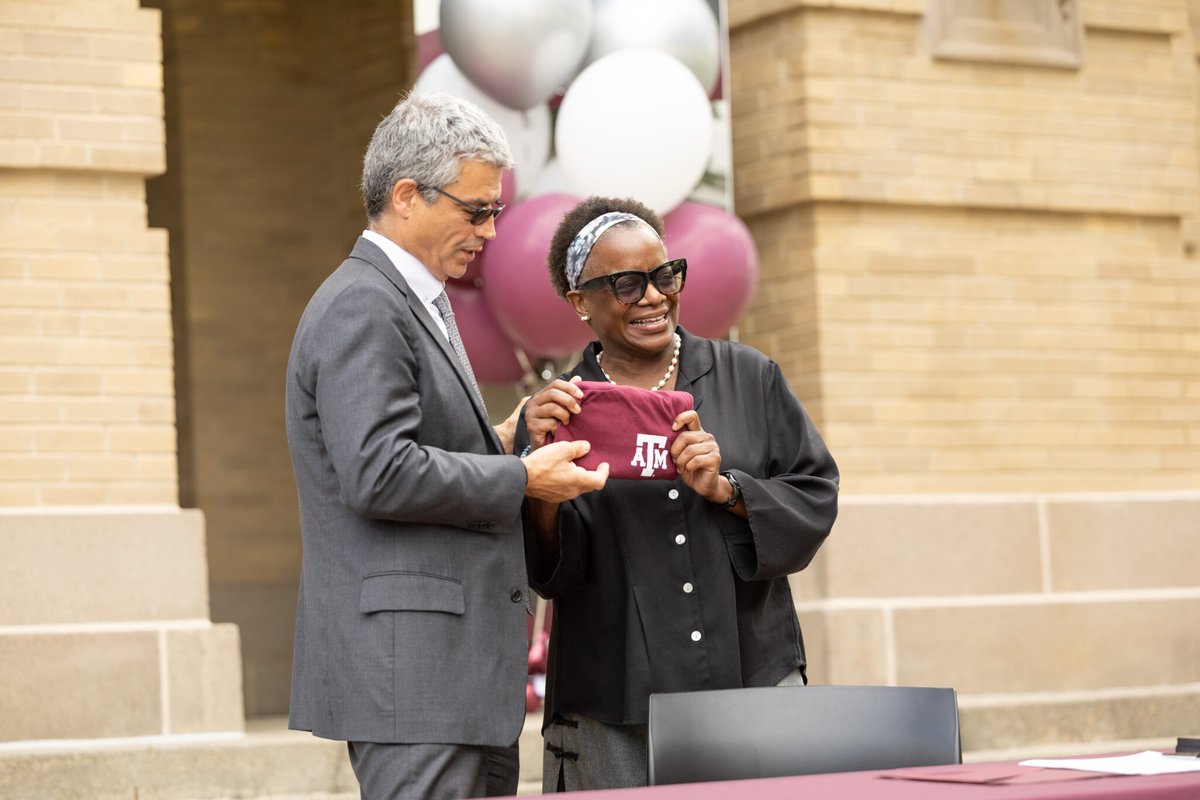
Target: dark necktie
442,303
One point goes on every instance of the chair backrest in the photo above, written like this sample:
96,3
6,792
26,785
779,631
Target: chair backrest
799,730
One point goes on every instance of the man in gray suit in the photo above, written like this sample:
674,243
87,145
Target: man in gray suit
411,621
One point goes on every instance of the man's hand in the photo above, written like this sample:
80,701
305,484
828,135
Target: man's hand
554,477
507,430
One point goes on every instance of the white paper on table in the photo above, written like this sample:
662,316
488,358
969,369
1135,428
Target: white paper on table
1145,763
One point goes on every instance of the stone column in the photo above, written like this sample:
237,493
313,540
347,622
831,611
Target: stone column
104,622
977,230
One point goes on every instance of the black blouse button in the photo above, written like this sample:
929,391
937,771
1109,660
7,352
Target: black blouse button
516,596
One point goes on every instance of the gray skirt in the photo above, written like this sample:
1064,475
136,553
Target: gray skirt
583,754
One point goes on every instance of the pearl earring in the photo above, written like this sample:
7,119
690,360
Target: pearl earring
584,318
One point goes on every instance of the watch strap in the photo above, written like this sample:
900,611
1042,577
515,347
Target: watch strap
737,490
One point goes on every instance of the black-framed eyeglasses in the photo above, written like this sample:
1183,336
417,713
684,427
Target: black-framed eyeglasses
630,286
478,215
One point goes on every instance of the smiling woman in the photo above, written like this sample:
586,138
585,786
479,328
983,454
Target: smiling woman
687,588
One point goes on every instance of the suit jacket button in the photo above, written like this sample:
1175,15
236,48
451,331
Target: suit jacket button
516,596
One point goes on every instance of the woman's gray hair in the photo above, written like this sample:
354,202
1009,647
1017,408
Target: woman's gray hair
426,137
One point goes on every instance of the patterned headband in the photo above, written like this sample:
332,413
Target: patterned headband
581,245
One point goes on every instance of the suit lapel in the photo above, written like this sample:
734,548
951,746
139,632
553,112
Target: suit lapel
367,251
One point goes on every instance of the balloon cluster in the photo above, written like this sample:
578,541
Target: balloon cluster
623,91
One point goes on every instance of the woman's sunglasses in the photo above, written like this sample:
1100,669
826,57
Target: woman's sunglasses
629,287
478,215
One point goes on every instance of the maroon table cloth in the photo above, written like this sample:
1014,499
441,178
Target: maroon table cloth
872,784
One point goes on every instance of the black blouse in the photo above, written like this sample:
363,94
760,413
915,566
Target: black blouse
658,590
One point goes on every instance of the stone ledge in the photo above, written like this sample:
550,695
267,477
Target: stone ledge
118,681
1067,750
1084,723
268,762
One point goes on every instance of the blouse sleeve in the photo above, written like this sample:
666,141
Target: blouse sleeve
554,579
792,509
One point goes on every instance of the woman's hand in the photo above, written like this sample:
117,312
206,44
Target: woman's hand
550,407
698,458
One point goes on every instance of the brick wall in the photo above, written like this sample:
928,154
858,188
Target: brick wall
104,629
86,395
987,273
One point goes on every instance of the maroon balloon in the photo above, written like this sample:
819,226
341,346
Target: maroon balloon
429,47
718,89
490,350
722,266
517,286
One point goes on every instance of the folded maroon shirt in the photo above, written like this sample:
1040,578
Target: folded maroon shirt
628,427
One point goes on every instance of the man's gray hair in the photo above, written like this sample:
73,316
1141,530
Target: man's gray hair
426,137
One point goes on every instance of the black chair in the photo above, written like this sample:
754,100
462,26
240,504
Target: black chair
799,730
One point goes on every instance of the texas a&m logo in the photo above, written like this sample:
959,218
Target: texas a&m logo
651,454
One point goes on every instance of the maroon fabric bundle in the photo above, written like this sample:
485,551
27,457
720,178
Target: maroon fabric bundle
628,427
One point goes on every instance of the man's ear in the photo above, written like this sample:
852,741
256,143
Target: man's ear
404,196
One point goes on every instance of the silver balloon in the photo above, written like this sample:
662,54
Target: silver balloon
520,52
685,29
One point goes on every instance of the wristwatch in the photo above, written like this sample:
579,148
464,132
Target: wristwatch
737,490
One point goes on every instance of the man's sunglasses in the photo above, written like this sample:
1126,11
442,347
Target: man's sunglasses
629,287
478,215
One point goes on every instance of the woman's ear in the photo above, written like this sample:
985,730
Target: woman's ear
576,300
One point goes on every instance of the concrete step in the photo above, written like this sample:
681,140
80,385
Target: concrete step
267,762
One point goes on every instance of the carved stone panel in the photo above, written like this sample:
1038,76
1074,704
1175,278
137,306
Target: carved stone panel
1045,32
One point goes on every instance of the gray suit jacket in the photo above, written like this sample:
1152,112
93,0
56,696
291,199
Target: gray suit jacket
410,625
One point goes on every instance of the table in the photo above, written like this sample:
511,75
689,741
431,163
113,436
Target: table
870,784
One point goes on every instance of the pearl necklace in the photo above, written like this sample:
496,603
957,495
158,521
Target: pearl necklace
666,377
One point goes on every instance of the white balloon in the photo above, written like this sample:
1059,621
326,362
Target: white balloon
528,132
635,123
686,29
552,180
518,51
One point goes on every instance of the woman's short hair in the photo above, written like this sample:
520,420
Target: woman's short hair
573,222
426,137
